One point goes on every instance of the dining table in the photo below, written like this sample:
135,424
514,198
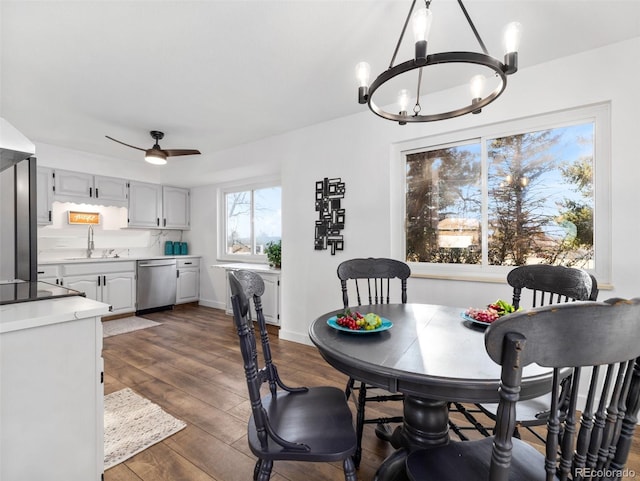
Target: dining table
433,354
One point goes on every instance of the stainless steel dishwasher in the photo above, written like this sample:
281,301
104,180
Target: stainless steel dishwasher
156,284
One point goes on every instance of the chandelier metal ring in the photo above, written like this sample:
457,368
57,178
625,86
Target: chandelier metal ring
479,98
435,59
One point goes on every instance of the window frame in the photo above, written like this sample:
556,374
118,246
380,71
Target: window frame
241,186
597,113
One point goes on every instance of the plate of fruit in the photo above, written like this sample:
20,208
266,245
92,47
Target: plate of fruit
484,317
357,323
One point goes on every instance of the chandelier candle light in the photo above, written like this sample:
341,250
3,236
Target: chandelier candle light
421,20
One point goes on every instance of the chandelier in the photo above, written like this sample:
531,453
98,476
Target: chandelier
478,98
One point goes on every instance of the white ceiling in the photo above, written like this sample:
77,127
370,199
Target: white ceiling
217,74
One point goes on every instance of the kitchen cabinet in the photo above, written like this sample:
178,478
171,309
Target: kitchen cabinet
175,208
271,296
188,280
85,188
158,206
52,412
145,205
44,189
113,283
50,274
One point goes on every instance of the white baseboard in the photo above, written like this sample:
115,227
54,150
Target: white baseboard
295,337
213,304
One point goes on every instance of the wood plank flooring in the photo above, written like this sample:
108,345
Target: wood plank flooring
191,366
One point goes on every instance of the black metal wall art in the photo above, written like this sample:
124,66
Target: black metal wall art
330,215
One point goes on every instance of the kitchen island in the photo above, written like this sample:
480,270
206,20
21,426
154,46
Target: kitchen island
51,390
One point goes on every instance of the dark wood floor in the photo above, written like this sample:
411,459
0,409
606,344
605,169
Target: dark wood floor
191,366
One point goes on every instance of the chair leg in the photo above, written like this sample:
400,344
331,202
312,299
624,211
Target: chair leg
263,467
349,388
362,394
349,469
256,469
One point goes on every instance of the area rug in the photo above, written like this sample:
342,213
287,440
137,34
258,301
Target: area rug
132,424
126,324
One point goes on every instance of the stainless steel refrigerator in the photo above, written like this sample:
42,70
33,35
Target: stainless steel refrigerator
18,234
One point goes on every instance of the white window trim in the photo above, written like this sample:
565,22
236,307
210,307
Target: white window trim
600,113
238,186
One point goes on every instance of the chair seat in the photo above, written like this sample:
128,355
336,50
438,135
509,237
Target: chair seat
319,418
470,460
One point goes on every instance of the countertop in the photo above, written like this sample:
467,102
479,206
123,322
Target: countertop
78,260
247,266
25,315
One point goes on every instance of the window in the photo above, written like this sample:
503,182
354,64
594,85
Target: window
530,194
252,219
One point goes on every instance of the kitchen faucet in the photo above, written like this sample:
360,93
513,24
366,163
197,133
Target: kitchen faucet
90,244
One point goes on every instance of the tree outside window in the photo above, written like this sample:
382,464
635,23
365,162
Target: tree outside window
535,206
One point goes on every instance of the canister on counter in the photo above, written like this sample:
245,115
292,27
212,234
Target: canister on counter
168,248
176,248
184,250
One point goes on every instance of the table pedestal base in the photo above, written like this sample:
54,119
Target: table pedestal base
425,425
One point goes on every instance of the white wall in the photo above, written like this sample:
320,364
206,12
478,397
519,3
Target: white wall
358,150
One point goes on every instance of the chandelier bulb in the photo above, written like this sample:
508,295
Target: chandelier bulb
403,100
477,86
363,71
421,27
512,34
422,24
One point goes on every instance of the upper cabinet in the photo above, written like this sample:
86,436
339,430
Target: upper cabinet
79,187
157,206
145,205
151,206
175,208
44,183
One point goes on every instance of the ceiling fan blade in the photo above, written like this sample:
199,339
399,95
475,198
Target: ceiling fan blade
132,146
176,152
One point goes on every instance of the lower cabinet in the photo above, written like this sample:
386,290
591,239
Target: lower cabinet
188,280
270,298
52,393
113,283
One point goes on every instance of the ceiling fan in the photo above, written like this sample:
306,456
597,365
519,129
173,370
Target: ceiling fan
156,155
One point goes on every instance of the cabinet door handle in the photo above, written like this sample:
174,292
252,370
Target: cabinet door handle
40,272
98,281
158,221
90,191
97,193
188,263
178,273
164,222
49,216
104,280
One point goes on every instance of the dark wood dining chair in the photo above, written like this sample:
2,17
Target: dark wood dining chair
599,342
543,285
294,424
372,280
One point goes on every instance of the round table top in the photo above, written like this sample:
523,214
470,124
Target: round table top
430,351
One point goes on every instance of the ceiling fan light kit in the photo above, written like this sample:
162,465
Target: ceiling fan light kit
155,155
421,20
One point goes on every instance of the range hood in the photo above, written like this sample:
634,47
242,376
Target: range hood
14,146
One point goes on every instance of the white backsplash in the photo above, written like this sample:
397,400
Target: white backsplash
60,240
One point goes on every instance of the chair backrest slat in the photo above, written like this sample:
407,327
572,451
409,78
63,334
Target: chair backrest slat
576,335
552,284
375,271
